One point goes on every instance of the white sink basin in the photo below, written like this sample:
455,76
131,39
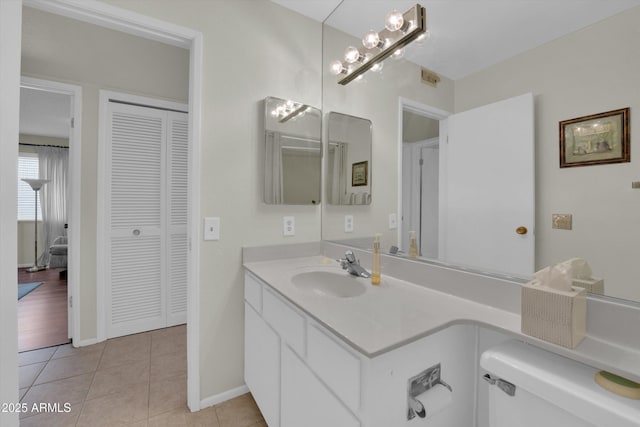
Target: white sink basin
327,283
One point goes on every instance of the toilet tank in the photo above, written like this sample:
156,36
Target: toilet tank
550,391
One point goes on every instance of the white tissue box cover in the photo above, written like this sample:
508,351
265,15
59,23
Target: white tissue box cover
593,285
556,316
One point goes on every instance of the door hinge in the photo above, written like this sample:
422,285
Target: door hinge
73,122
70,301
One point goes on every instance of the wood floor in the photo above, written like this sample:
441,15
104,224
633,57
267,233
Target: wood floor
42,314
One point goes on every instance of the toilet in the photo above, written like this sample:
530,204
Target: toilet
549,390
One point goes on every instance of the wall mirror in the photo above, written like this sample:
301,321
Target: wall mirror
348,171
603,205
293,153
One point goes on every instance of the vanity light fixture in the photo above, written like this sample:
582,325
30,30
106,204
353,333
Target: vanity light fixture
400,30
289,110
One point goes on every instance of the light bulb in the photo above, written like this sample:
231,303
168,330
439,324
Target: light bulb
371,39
399,53
290,104
393,21
274,113
377,67
336,67
351,55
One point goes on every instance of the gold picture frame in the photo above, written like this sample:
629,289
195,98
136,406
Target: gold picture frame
597,139
360,174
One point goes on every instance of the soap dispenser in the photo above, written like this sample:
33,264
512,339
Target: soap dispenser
375,268
413,245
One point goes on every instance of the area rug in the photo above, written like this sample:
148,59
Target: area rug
25,288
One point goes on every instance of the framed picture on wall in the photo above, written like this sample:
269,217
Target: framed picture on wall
596,139
360,173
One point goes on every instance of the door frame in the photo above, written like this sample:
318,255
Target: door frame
74,213
424,110
130,22
103,301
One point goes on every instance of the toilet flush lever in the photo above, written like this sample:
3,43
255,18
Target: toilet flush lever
505,386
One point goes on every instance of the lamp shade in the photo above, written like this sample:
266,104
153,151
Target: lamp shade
35,184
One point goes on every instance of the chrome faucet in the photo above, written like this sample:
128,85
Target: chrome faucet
352,265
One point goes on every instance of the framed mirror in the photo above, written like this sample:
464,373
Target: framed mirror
293,153
600,198
348,171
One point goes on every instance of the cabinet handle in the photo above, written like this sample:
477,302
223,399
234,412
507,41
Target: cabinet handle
521,230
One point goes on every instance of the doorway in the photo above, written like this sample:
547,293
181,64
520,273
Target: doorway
50,128
128,22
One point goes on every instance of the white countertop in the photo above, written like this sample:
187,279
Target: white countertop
398,312
386,316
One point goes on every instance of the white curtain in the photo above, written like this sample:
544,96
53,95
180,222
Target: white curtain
54,166
338,172
273,169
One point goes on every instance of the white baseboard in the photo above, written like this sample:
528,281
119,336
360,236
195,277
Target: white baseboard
224,396
84,343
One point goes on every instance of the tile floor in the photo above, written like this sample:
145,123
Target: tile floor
137,380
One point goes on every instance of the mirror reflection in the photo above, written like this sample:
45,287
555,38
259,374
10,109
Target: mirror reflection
564,83
348,160
293,153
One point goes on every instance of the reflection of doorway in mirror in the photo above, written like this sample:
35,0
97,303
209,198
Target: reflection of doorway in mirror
420,166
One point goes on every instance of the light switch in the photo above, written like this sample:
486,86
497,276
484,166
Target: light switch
348,223
289,226
562,221
393,221
212,228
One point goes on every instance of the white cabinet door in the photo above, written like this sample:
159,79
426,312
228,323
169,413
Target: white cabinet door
306,401
262,365
136,137
487,186
146,218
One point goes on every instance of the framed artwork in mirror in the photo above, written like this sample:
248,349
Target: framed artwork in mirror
359,174
596,139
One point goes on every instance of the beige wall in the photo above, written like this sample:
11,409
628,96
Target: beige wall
275,52
418,128
591,71
61,49
375,99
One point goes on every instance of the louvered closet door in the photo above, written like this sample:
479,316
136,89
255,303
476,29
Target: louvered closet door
177,151
137,138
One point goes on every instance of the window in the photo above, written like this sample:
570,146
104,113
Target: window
27,168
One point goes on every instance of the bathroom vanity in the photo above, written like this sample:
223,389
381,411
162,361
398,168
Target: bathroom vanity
323,348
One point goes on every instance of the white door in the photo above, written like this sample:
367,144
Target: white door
145,219
487,187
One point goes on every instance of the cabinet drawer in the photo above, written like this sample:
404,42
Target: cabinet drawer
286,321
253,292
335,365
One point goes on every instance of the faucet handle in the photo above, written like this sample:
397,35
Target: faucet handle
351,258
343,263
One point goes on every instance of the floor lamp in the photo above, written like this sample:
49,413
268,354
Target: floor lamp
36,184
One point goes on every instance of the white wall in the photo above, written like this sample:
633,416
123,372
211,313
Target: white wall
61,49
418,128
590,71
376,99
252,49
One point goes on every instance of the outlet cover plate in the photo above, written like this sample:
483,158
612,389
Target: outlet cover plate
288,226
348,223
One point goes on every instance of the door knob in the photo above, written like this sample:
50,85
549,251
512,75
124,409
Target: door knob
521,230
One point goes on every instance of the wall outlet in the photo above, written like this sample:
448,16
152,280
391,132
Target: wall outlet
562,221
288,226
212,228
348,223
393,221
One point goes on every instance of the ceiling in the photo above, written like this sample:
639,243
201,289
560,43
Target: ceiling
468,35
44,113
